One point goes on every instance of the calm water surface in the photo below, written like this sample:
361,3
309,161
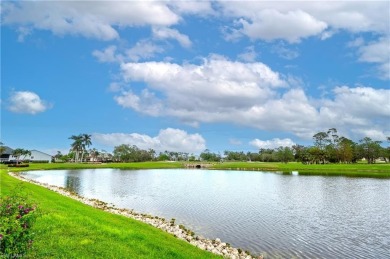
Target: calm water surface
280,216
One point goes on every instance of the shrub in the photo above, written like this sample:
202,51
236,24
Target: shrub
17,216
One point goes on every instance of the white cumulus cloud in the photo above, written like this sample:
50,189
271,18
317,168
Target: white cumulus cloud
377,52
357,110
91,19
293,21
27,102
202,8
146,102
168,139
143,50
250,94
107,55
249,55
272,144
207,92
168,33
270,24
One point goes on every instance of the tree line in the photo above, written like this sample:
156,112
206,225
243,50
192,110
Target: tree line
328,147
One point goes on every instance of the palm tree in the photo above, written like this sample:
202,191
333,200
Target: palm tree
94,153
76,146
86,142
79,145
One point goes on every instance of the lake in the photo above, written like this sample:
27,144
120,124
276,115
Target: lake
282,216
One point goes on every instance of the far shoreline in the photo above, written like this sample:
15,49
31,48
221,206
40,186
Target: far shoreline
379,170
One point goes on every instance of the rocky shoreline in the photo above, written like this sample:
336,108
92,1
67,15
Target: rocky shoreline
179,231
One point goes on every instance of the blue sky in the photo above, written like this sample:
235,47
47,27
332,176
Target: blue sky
187,75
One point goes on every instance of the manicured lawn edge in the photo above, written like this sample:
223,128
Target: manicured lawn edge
380,170
348,170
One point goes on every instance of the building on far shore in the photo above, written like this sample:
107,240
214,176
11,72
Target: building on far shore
6,154
36,156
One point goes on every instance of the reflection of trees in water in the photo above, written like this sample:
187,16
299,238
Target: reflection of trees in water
72,183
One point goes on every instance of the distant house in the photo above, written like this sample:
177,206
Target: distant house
6,155
38,156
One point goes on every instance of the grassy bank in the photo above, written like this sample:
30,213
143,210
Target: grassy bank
70,229
353,170
61,166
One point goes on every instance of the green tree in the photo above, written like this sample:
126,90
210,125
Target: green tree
152,153
94,153
105,156
301,153
121,153
284,154
163,157
321,140
267,155
173,156
369,149
331,149
86,142
209,156
191,158
77,146
316,155
387,152
346,150
59,157
128,153
20,152
236,156
253,156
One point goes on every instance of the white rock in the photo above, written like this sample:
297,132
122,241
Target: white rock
201,246
215,251
235,251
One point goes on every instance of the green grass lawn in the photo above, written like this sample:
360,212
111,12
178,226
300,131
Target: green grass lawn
353,170
61,166
70,229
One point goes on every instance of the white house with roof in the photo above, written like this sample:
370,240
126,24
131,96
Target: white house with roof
38,156
6,154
